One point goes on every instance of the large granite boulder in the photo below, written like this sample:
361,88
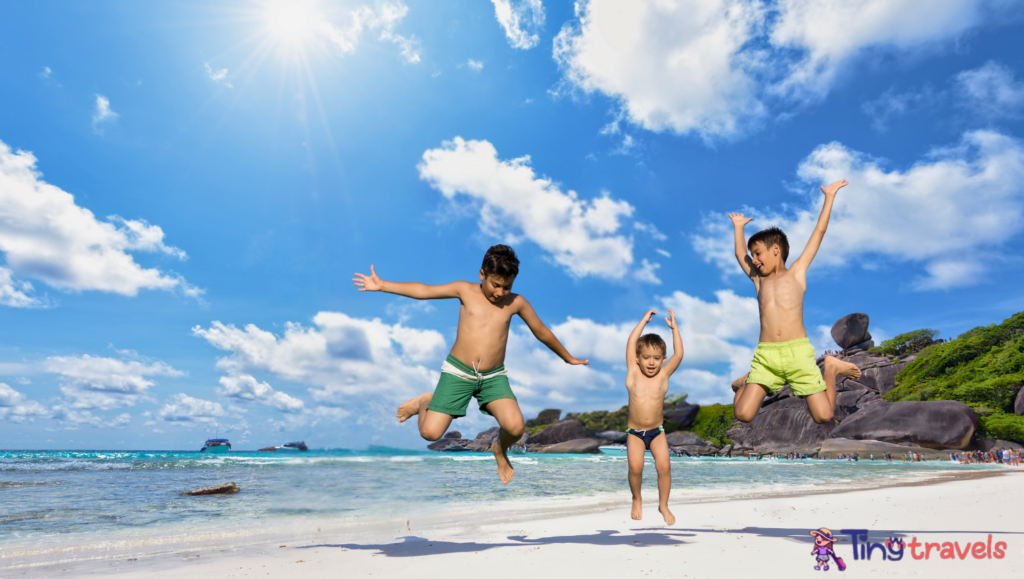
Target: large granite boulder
612,436
1018,404
989,444
484,440
679,416
577,446
851,330
561,431
452,434
866,448
689,442
936,424
452,438
783,424
546,416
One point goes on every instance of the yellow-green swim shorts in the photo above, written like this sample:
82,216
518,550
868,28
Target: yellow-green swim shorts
459,383
776,364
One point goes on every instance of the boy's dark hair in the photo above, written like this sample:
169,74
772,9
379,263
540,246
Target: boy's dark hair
771,236
501,261
651,341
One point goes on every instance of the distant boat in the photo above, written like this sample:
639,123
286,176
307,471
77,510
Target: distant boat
216,446
613,449
293,447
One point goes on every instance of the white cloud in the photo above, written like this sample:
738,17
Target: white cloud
475,65
15,293
15,407
246,388
103,112
104,383
521,20
346,39
648,272
182,408
991,91
340,357
950,213
892,104
46,236
583,236
664,253
46,72
218,76
718,68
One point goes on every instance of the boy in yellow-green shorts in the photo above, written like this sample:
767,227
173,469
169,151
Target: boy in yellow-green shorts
475,367
784,355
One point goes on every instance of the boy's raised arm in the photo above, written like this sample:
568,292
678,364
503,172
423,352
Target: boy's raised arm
804,261
546,336
738,222
677,344
419,291
634,336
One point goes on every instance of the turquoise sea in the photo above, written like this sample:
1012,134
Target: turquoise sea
88,502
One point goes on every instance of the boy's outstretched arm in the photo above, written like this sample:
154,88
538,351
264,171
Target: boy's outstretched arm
419,291
677,344
542,333
634,336
804,261
738,222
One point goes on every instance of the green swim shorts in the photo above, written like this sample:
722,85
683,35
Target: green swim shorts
453,391
776,364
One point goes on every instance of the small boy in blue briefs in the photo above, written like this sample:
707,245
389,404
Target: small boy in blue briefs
475,368
647,382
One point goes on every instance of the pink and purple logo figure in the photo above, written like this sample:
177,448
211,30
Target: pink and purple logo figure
823,541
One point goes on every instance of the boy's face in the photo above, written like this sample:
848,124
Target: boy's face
650,361
766,259
495,288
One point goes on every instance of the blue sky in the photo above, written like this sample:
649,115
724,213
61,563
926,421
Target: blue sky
186,190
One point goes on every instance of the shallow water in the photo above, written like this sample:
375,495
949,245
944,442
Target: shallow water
49,499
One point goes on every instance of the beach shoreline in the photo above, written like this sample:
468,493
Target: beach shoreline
166,558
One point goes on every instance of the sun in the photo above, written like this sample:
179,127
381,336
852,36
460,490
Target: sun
291,20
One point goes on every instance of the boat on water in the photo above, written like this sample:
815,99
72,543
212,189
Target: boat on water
216,446
613,449
293,447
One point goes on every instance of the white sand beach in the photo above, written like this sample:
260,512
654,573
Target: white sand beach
765,537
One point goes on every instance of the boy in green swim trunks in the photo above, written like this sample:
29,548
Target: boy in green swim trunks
475,367
784,355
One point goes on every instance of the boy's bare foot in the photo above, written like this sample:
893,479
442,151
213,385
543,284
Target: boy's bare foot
505,470
841,368
670,519
411,408
638,512
739,382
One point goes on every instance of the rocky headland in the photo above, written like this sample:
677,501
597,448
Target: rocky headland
915,393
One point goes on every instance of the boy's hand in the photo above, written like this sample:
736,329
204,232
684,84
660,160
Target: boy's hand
671,319
648,316
577,362
738,220
368,283
834,187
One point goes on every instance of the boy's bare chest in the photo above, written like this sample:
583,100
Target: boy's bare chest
782,291
484,313
644,387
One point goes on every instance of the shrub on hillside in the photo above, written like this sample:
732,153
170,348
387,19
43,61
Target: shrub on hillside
712,422
1002,425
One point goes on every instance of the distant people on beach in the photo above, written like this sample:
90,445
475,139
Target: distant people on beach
475,368
647,374
784,355
1007,456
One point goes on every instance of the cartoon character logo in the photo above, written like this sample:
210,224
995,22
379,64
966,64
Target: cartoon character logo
823,541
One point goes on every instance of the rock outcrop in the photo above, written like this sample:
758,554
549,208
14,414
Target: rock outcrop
546,416
221,489
1018,404
939,424
452,438
690,442
577,446
616,436
851,330
679,416
988,444
484,440
866,448
561,431
783,424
